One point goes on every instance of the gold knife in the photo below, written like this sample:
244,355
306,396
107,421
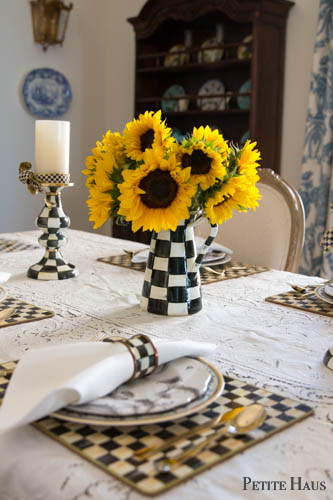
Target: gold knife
6,313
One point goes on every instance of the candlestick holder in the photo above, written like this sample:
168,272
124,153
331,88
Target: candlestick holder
52,221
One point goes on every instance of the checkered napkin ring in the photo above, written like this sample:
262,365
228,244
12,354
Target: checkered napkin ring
143,352
327,239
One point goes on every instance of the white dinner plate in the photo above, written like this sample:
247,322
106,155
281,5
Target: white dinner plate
102,410
213,256
329,289
218,262
217,252
321,294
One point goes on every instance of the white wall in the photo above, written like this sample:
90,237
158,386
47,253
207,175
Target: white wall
98,60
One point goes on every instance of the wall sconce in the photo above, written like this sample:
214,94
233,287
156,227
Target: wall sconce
49,21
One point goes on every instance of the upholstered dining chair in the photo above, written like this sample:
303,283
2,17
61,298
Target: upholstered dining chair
271,236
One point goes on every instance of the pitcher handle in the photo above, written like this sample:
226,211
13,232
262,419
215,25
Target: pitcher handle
205,247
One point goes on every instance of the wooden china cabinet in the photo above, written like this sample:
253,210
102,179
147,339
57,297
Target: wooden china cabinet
215,62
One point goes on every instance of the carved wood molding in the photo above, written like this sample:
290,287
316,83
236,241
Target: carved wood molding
154,12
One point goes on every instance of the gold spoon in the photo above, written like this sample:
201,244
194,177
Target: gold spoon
248,419
149,451
134,252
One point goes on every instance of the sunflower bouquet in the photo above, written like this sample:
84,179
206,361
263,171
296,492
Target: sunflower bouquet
143,176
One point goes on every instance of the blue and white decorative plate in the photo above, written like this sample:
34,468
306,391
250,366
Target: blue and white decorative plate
245,137
177,134
244,101
216,89
176,56
208,54
46,93
245,51
174,104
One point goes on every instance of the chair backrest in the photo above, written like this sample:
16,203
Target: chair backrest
273,235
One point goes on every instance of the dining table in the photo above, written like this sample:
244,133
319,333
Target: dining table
265,344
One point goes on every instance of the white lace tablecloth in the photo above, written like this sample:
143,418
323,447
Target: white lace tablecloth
272,346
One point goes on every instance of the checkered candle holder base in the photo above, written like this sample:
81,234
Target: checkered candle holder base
172,279
53,221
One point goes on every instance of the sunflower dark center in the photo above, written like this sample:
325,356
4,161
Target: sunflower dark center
160,189
199,162
147,139
226,197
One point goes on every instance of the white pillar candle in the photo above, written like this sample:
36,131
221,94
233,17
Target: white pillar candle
52,147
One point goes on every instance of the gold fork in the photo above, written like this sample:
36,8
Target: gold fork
211,270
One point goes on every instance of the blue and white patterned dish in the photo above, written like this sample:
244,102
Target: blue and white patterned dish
177,134
212,88
174,104
244,101
245,51
245,137
46,93
210,55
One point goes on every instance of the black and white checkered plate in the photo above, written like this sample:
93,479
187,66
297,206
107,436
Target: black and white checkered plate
113,448
24,312
14,246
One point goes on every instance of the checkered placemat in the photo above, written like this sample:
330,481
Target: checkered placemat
310,303
222,272
24,313
113,448
14,246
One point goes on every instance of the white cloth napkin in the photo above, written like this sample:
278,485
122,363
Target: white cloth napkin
50,378
4,277
142,255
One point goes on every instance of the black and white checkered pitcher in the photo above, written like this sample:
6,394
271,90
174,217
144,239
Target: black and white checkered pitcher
172,278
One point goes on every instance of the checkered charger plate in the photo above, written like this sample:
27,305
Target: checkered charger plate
311,301
113,448
24,312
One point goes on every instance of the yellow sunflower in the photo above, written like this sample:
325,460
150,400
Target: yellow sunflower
234,194
146,132
100,167
90,170
115,143
213,138
248,161
156,195
206,164
99,205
